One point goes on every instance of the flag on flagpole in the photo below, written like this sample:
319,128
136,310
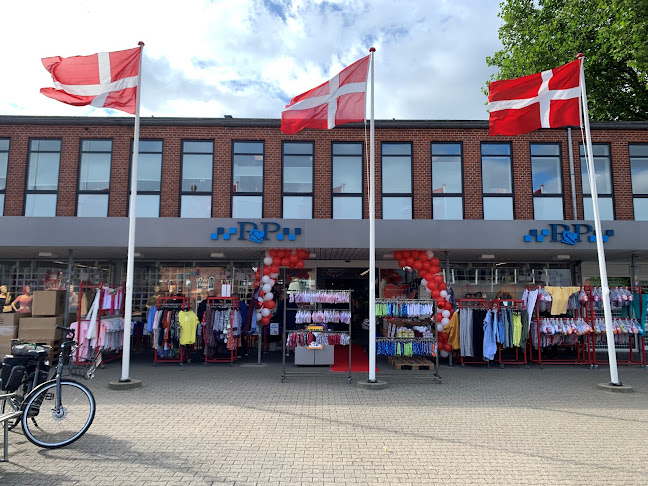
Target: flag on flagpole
338,101
104,80
549,99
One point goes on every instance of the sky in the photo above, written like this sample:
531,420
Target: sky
248,58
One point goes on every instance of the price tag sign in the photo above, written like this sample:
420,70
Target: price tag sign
274,328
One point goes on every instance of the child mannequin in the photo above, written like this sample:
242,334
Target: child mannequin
24,301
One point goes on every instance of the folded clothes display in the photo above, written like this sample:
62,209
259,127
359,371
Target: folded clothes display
406,347
323,316
320,296
404,309
309,338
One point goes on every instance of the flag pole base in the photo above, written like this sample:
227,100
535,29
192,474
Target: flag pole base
373,385
131,384
613,387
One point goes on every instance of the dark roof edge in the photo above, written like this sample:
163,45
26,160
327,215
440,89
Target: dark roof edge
271,122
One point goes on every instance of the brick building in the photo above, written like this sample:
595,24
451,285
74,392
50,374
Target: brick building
494,209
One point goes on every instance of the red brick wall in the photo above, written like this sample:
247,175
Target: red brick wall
224,135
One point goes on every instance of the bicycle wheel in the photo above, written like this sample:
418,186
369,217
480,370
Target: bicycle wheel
58,427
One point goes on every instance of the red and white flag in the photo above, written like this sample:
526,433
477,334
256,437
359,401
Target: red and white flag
104,80
338,101
549,99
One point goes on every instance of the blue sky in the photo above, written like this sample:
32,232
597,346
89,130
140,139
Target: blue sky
247,58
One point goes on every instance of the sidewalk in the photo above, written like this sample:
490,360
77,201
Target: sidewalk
239,425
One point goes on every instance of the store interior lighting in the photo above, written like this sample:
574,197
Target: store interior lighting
563,257
45,254
487,257
217,255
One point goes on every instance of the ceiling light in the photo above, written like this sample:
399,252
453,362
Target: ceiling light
388,255
487,257
137,254
563,257
312,255
45,254
217,255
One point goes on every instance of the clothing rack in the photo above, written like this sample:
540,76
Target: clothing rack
232,341
471,303
169,304
520,353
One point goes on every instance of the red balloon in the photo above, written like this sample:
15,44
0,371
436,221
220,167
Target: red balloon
402,263
447,347
410,261
428,277
285,262
431,286
414,254
269,304
303,254
300,264
293,258
406,254
266,270
418,265
423,256
434,261
435,294
256,284
439,317
274,268
442,286
292,265
398,255
261,293
440,301
265,320
443,337
434,270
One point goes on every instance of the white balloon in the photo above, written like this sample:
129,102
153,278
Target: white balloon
440,327
424,283
272,281
258,315
429,253
265,279
267,260
274,276
267,288
444,321
443,294
260,300
265,312
428,290
445,313
269,296
444,353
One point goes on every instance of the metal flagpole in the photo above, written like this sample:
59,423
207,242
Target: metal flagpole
614,373
372,233
130,265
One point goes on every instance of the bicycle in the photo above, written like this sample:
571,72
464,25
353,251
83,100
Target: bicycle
69,405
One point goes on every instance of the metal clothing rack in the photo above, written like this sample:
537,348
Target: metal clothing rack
284,348
431,321
520,353
232,302
172,303
472,304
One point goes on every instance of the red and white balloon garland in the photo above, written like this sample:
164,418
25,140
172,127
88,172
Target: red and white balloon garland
429,269
273,261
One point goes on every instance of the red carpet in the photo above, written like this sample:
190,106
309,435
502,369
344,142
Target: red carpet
359,359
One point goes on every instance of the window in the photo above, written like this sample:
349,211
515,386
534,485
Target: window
546,179
298,180
42,177
347,180
197,169
497,181
247,180
94,178
149,178
639,172
447,180
396,180
603,177
4,162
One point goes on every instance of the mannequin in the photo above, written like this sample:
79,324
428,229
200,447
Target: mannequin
24,301
5,299
74,300
152,300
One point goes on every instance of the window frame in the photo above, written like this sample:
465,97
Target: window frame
3,191
600,196
485,195
388,195
80,169
283,175
556,195
253,194
355,195
461,175
182,165
130,174
637,195
28,171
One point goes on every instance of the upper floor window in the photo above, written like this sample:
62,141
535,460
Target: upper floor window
197,170
639,172
247,180
297,194
149,178
603,177
546,179
497,180
447,180
396,180
4,162
94,178
347,180
42,177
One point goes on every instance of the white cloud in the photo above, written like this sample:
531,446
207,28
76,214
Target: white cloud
247,58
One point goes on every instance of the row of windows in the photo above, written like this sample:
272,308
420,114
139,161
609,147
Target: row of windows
347,179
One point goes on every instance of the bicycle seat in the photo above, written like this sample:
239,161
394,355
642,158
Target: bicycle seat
40,351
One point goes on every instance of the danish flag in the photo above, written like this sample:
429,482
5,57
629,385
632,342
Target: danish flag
338,101
549,99
104,80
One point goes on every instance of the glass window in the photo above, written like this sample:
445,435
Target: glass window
92,205
247,207
94,177
498,208
347,180
639,172
298,180
149,178
497,179
2,199
147,206
397,184
640,209
603,178
447,180
4,162
247,179
42,177
197,187
546,180
548,208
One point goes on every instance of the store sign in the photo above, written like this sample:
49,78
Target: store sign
567,234
257,233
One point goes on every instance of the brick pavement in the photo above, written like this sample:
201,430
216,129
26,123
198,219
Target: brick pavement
239,425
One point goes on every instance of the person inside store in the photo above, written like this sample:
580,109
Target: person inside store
202,305
153,298
23,303
5,299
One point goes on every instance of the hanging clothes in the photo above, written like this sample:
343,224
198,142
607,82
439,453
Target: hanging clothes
490,346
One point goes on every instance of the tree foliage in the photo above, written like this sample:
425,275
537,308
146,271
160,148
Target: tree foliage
613,34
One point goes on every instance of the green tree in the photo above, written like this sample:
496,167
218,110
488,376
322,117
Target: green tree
613,34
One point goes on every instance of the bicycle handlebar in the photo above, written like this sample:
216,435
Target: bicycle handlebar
67,330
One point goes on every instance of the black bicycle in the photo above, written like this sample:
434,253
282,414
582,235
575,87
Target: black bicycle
58,411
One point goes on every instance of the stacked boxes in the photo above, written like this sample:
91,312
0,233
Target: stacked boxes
48,308
8,331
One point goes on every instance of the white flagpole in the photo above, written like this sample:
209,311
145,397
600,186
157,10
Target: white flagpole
372,233
609,331
130,265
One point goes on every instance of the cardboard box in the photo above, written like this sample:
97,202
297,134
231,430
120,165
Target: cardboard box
40,328
48,303
11,318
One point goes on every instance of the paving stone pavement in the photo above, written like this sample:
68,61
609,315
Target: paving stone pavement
239,425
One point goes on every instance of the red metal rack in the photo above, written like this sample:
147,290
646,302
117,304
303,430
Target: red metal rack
167,304
520,353
474,304
233,342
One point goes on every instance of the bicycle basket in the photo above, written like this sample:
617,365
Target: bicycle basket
83,367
